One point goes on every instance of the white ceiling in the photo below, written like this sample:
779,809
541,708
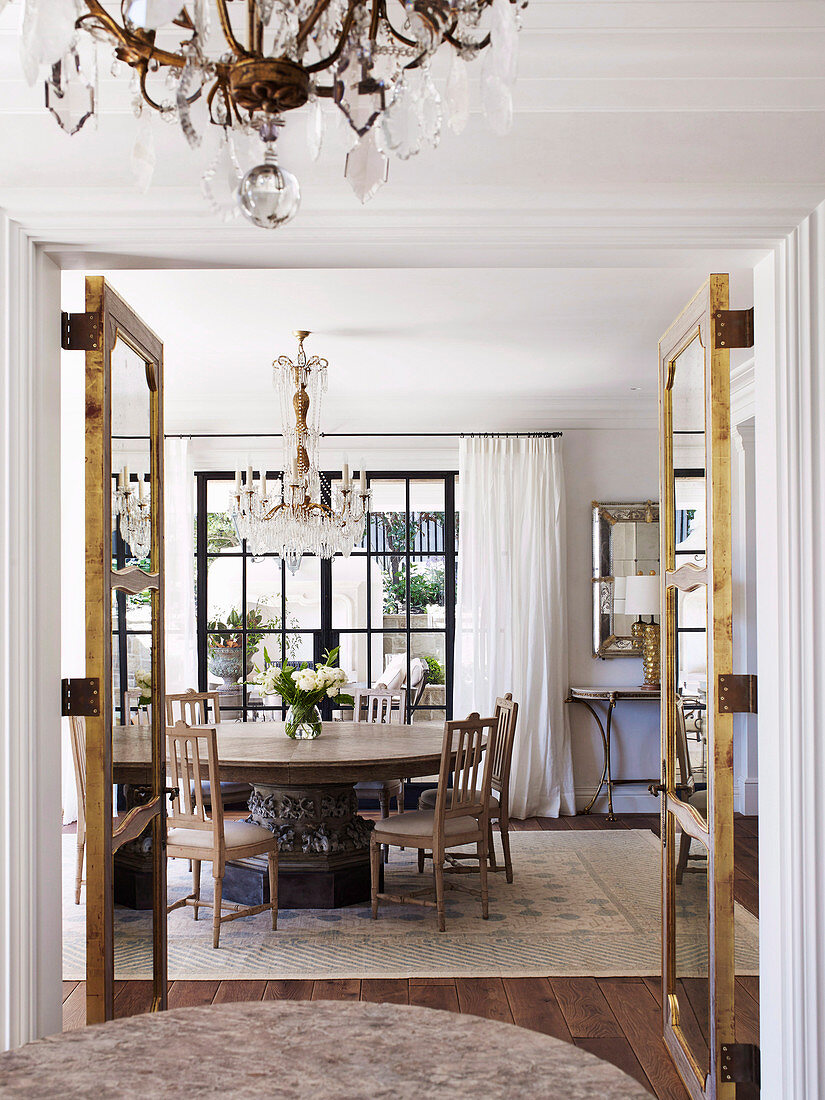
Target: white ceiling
420,350
643,125
497,282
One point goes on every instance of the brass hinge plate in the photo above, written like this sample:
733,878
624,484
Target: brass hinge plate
80,697
739,1062
733,328
737,694
79,331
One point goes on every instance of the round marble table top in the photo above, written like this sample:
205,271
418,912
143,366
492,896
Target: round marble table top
297,1049
261,753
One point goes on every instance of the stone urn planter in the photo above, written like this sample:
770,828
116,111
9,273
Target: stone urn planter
226,662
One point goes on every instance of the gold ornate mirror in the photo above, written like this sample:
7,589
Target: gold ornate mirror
625,543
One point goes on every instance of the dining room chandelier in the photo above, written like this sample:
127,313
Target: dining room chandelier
286,516
132,505
264,58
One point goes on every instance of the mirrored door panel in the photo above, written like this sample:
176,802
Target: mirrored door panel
126,889
697,802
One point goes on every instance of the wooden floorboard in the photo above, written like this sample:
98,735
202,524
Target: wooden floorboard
617,1019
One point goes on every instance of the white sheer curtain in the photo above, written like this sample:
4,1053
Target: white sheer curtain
511,618
181,628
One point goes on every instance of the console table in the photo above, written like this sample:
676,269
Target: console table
610,696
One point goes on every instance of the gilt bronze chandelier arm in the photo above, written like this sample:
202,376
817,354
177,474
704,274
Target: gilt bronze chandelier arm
228,33
326,62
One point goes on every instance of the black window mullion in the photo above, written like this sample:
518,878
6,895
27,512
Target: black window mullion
449,588
407,560
200,558
244,561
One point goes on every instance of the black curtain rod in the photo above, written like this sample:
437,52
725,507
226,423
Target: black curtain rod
355,435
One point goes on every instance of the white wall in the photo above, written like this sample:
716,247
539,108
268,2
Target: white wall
619,465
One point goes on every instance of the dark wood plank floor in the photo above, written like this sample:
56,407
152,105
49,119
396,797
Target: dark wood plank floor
617,1019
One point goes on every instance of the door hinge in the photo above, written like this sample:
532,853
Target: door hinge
80,697
737,693
739,1063
733,328
79,331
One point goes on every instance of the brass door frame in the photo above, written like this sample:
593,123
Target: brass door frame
117,321
699,318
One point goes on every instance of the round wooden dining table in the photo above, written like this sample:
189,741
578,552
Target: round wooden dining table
304,792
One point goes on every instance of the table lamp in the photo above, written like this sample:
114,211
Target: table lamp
642,598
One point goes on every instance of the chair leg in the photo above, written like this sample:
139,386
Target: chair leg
482,864
384,803
216,913
421,861
438,871
195,864
684,852
504,829
491,848
78,879
272,858
375,871
399,803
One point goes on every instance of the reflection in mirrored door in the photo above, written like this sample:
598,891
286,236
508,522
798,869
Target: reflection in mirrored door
125,896
697,884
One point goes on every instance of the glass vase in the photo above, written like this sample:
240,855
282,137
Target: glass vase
303,723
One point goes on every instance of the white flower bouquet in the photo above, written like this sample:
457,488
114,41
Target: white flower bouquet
143,681
303,689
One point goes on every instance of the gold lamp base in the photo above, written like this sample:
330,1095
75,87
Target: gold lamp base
651,655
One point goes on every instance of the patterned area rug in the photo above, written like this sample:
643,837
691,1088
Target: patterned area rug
582,903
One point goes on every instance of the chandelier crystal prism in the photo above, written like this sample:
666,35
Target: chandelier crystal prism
287,516
241,65
131,504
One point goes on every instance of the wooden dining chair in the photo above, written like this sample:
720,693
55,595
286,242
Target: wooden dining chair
193,708
505,718
135,714
77,726
697,799
460,816
386,707
193,835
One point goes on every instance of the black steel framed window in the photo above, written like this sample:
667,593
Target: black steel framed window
131,627
696,554
393,598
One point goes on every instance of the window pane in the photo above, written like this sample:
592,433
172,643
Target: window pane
427,592
223,590
388,517
349,593
303,596
426,523
220,531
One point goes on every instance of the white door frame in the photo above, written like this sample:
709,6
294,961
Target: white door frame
789,300
790,409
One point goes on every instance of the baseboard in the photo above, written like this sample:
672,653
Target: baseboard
746,796
632,798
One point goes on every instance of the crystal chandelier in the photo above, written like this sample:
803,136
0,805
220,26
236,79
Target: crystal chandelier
267,57
134,511
287,518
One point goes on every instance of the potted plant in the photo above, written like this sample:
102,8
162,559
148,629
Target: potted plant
303,689
226,657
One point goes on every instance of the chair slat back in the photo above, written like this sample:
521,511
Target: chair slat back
77,726
471,769
193,757
502,756
142,715
192,707
682,754
375,705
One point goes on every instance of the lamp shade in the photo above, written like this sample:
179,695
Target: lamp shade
642,596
